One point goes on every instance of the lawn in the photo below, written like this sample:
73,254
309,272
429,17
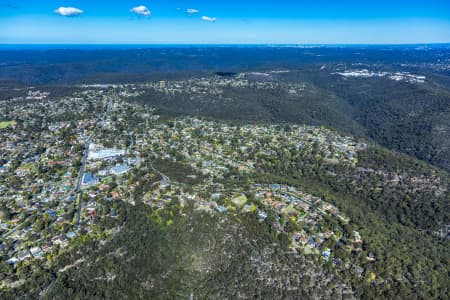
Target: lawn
6,124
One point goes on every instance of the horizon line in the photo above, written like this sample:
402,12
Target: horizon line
287,45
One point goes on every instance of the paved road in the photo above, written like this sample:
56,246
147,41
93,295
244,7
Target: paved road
80,178
83,165
165,179
12,231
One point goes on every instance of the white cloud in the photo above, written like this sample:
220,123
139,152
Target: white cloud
141,10
68,11
192,11
209,19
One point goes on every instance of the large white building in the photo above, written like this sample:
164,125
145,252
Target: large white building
96,153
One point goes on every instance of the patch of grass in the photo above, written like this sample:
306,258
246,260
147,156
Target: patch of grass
6,124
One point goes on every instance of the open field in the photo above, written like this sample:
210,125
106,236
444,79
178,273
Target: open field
6,124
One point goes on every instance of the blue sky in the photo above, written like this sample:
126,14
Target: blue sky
231,21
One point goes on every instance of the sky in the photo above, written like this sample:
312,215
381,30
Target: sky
224,22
